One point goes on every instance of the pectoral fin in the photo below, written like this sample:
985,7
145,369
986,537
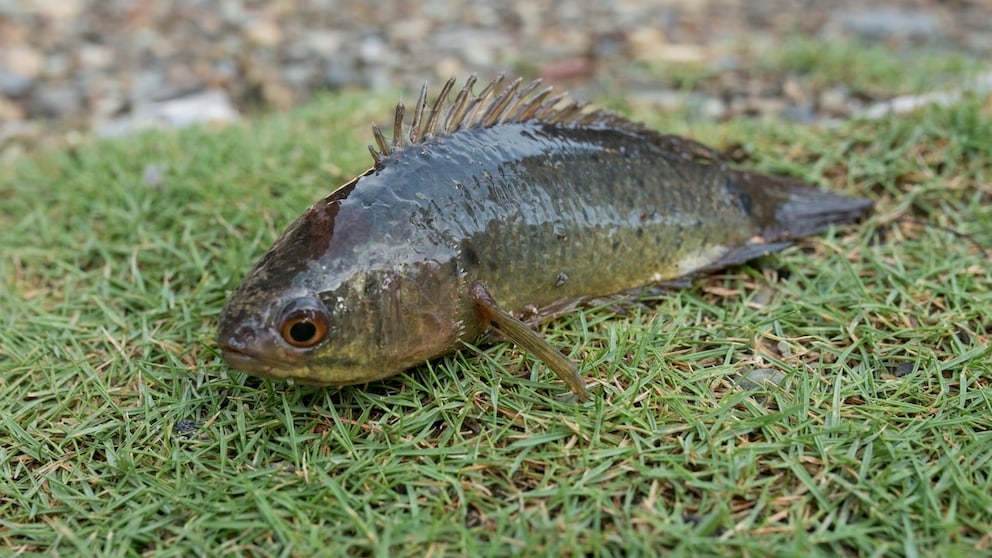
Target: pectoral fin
528,339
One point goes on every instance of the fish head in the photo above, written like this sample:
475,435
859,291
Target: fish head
339,299
284,321
301,337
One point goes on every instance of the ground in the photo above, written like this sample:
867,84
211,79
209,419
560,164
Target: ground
834,398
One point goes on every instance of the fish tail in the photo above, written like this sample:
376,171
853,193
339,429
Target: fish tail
787,208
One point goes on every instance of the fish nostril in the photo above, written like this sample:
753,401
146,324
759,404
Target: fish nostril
241,337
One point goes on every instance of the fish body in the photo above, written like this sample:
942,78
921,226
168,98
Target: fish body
472,222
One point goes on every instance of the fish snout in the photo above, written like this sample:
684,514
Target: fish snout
240,340
252,347
243,347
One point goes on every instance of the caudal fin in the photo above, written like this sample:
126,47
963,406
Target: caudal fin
788,209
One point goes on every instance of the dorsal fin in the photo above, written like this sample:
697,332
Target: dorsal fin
512,104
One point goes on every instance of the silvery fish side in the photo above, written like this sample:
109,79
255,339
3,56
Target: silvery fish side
490,205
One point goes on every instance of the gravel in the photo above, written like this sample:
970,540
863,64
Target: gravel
112,67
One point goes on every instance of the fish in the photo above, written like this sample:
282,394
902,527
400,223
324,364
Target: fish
486,208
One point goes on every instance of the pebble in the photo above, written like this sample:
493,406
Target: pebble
904,369
57,10
263,32
14,85
761,379
213,106
883,23
10,111
23,60
835,101
154,175
95,57
55,102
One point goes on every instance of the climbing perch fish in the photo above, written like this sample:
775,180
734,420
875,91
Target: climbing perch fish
486,205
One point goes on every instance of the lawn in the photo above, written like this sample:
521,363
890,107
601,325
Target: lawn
835,398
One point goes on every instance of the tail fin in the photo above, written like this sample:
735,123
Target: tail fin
788,209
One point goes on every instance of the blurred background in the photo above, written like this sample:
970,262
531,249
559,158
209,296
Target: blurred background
111,67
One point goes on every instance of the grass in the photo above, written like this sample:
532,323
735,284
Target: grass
123,433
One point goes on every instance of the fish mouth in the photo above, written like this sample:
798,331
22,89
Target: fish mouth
253,349
241,360
246,362
269,370
255,365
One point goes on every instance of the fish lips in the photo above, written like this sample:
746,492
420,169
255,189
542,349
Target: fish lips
245,362
257,351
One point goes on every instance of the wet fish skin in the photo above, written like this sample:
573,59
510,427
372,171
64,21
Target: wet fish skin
538,212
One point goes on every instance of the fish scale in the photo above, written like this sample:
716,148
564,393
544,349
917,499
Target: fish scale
493,206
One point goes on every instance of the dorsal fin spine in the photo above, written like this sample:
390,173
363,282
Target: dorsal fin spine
495,110
547,107
480,102
380,140
457,111
520,101
376,157
527,110
431,126
398,126
418,114
516,103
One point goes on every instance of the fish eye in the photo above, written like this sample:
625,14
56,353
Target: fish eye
304,323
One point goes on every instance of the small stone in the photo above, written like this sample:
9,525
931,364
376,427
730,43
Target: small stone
211,107
93,56
224,71
154,175
300,76
55,101
15,85
263,32
23,61
650,45
529,15
57,65
793,90
666,100
885,23
646,43
903,369
146,84
372,50
339,75
761,379
325,43
56,10
802,113
409,30
185,427
713,108
567,68
207,106
835,101
725,63
606,46
107,100
763,295
477,47
448,66
758,106
9,110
